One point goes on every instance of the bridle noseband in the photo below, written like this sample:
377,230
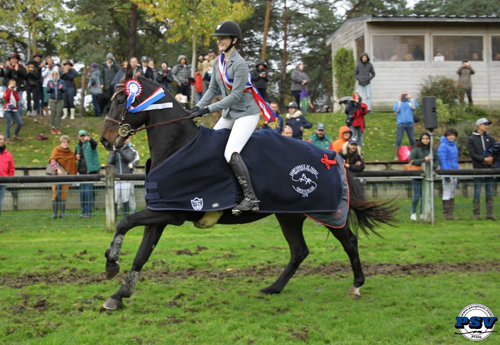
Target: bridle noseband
125,129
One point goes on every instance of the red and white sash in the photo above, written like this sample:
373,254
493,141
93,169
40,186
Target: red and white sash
268,114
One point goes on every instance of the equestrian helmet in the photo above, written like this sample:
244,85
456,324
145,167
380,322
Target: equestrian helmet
292,105
227,28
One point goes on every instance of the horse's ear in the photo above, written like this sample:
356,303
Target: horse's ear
129,72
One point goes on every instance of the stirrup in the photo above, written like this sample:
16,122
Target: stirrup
246,204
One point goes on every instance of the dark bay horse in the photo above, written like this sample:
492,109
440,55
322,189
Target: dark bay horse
168,130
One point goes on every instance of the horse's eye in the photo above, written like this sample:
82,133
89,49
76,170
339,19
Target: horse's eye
121,101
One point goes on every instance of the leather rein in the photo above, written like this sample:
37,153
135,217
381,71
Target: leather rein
125,129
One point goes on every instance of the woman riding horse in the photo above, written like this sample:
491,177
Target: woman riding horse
240,108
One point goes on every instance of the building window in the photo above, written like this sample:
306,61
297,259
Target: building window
360,46
398,48
495,48
457,48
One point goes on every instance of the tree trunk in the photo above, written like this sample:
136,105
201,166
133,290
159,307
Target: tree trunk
266,29
132,40
82,91
284,61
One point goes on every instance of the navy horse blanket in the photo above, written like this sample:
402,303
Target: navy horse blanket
288,176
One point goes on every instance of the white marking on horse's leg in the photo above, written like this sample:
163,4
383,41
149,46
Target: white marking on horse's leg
209,219
115,247
354,291
128,286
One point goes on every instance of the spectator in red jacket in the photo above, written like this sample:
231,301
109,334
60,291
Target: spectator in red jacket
11,110
6,167
198,85
356,111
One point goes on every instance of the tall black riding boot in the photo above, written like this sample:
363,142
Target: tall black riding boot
126,208
55,207
250,201
63,209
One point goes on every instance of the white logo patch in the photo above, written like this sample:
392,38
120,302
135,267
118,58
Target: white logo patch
304,175
197,203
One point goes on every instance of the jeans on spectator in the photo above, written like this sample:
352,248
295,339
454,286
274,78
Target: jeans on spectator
364,92
417,195
3,187
410,131
488,187
69,98
97,108
199,95
86,198
468,92
9,115
20,103
32,91
356,132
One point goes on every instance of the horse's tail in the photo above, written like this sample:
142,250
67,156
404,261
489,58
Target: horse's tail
368,214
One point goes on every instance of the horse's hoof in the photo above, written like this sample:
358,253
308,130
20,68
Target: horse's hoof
270,291
354,291
112,304
112,271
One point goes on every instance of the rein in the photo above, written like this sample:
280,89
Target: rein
126,129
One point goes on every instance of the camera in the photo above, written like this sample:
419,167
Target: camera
403,96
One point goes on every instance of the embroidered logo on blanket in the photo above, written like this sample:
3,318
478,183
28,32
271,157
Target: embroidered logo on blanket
197,204
304,174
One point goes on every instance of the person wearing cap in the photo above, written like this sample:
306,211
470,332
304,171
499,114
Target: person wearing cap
68,75
145,70
351,153
299,81
33,79
87,161
240,111
56,88
260,77
95,88
109,68
320,138
181,74
296,120
464,78
477,144
345,134
15,70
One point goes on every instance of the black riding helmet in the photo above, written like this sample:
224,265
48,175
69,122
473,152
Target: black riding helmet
227,28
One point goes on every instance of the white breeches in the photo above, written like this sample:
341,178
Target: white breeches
449,188
241,130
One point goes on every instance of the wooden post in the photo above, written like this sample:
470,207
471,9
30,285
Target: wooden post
428,188
82,91
110,198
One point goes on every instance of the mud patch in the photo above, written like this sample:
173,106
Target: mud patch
336,268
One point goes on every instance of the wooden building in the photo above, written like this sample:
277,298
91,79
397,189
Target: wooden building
406,50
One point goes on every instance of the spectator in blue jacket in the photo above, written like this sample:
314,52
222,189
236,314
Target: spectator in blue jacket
403,109
448,157
296,120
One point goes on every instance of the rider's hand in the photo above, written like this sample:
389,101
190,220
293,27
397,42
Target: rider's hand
201,112
194,110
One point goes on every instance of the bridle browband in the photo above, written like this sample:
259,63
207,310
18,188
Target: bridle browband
125,129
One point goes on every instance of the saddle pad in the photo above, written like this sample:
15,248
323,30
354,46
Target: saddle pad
288,176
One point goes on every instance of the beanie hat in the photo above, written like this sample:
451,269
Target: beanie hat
109,56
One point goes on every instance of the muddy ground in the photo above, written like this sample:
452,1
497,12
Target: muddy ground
336,268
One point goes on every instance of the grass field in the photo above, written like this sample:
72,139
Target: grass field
201,286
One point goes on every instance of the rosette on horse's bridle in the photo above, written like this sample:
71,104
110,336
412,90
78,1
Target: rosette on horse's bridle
133,89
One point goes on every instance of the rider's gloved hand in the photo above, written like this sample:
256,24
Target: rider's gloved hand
194,110
200,112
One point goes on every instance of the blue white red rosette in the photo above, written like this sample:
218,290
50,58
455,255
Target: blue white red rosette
133,89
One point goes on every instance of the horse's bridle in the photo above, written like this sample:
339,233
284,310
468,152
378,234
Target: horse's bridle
125,129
